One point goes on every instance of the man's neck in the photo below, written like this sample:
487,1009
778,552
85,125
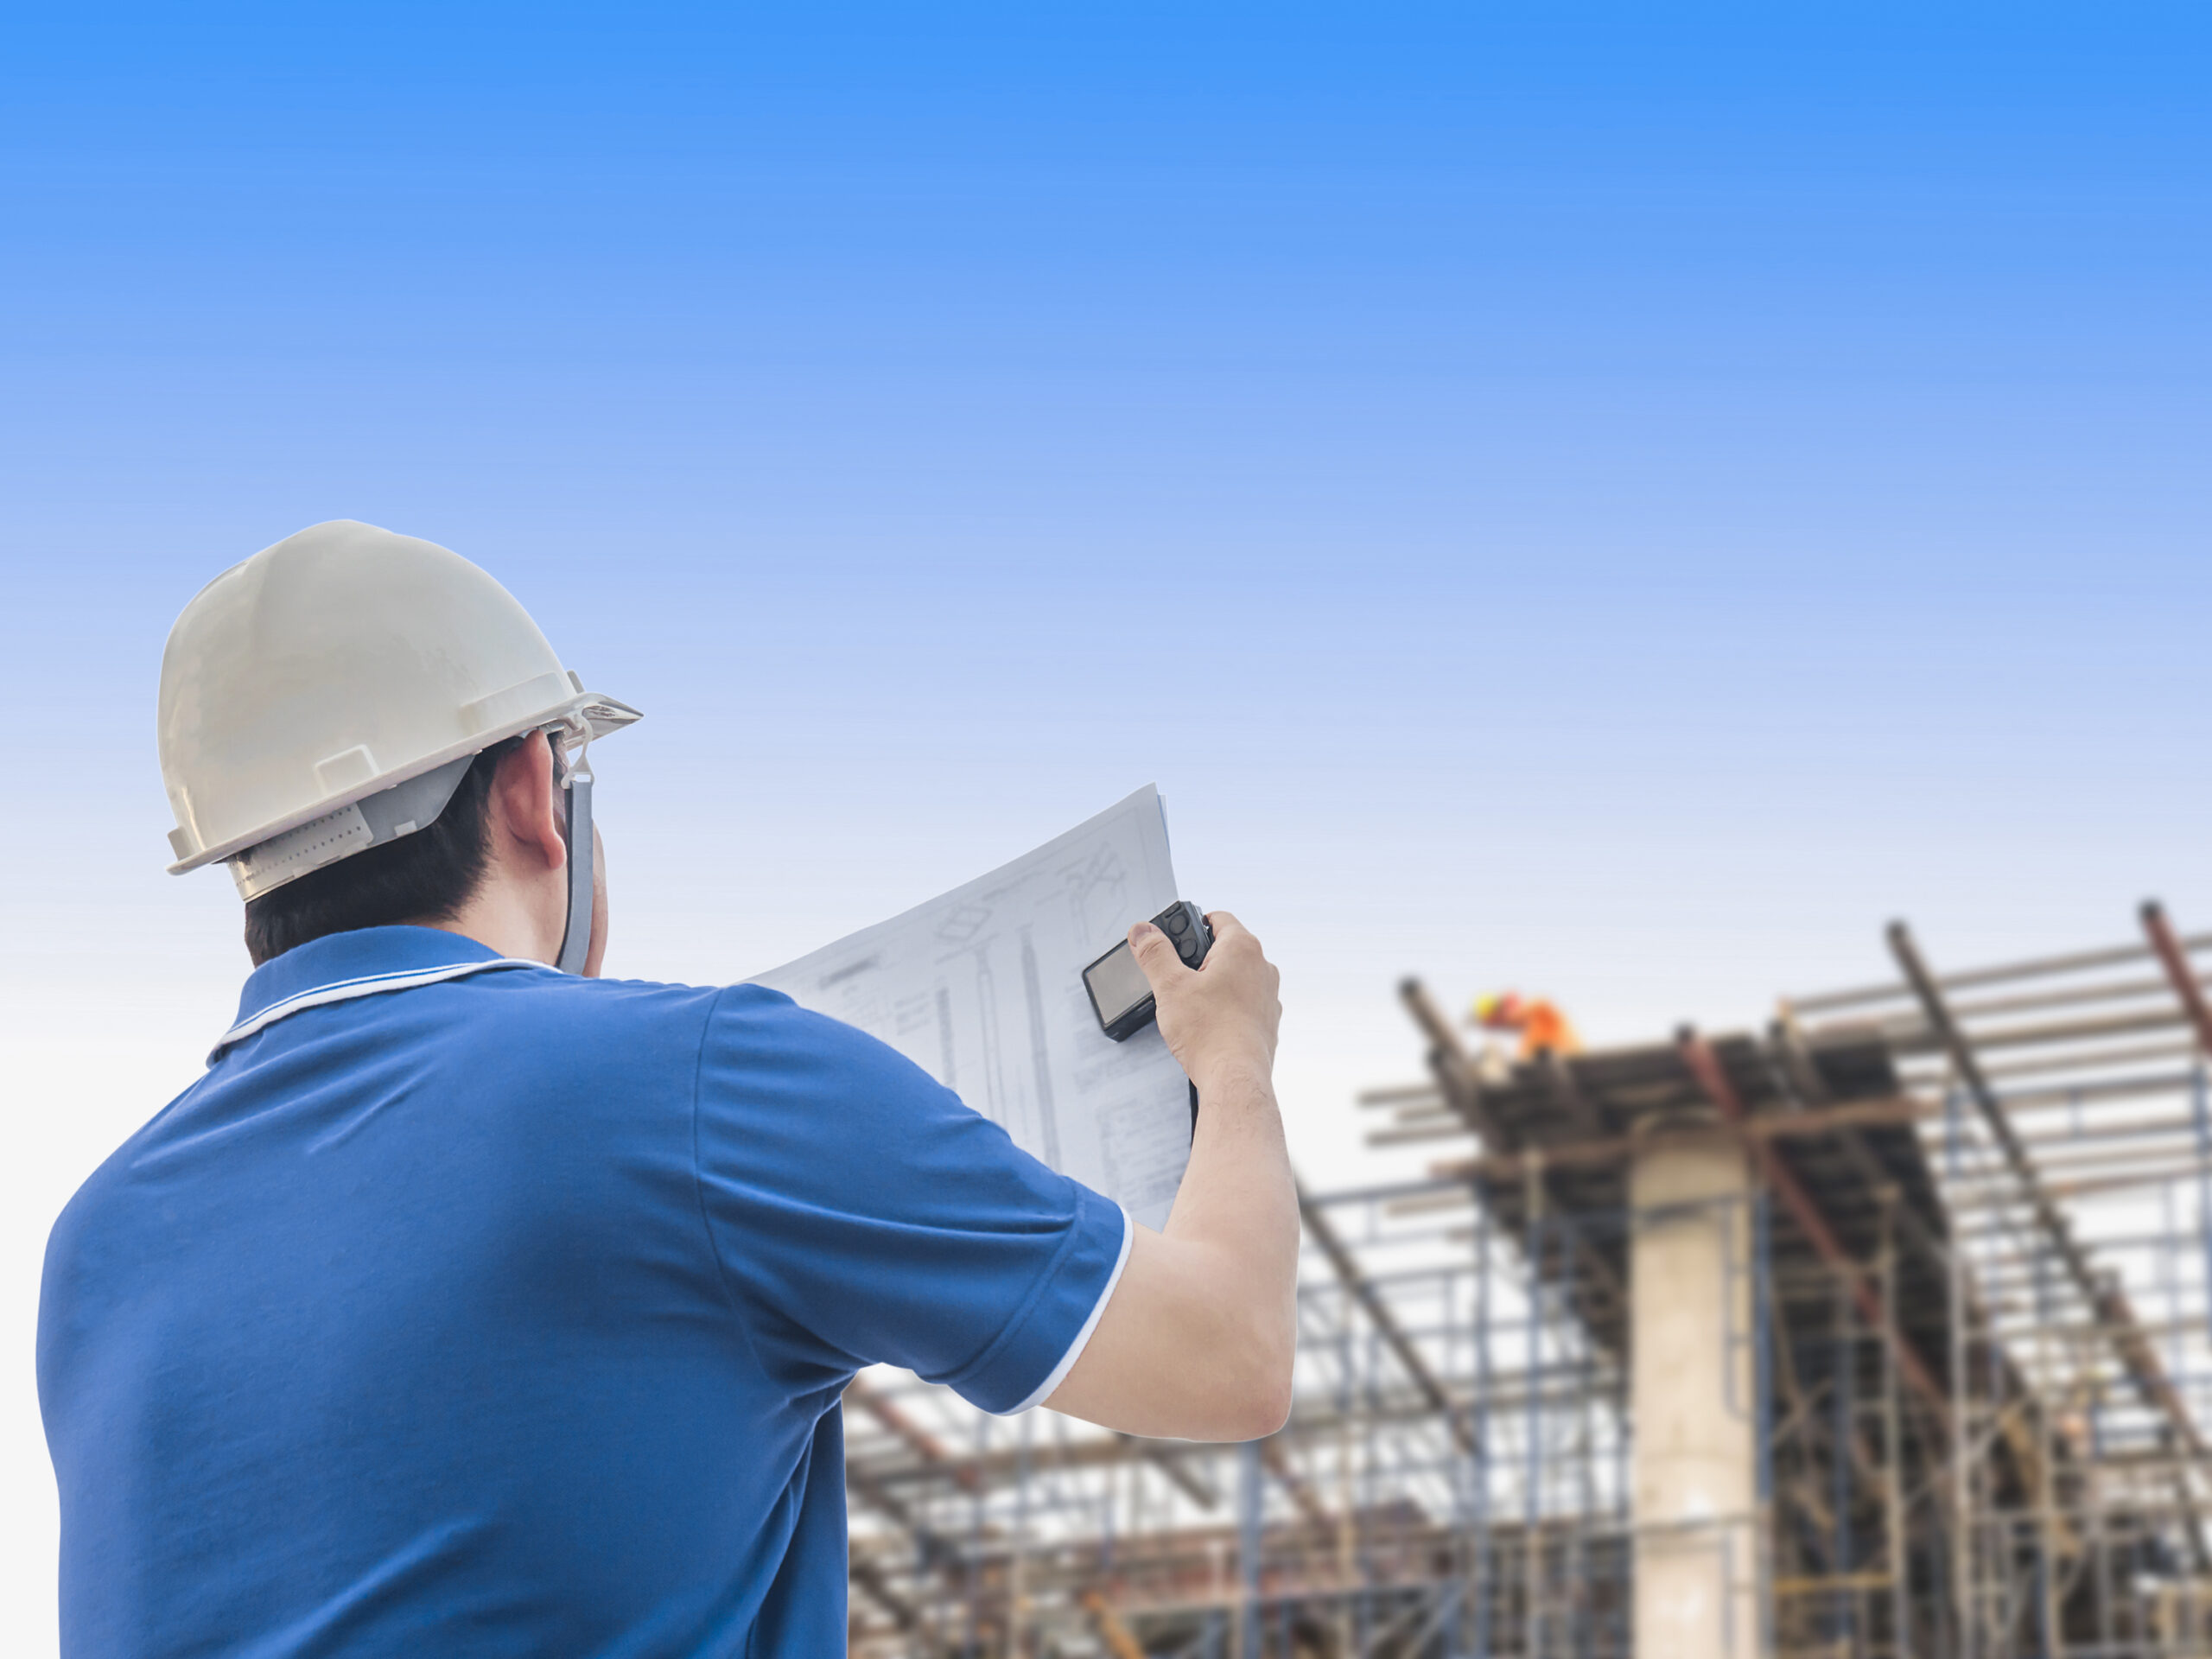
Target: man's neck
502,916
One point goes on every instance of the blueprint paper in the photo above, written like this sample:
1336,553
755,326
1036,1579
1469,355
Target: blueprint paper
983,989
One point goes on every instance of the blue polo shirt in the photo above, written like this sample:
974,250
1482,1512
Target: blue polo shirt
465,1306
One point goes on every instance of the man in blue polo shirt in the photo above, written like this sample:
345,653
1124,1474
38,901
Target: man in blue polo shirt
471,1303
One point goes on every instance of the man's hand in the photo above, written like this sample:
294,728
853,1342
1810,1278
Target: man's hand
1221,1017
1197,1338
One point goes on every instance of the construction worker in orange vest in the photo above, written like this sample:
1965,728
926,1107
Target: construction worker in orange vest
1539,1023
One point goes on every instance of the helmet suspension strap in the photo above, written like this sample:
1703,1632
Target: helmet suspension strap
576,942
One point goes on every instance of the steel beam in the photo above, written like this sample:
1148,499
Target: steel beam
1818,1121
2171,957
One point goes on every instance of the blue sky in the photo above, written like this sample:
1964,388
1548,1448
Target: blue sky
1614,503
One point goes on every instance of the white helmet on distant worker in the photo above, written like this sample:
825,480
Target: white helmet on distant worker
326,696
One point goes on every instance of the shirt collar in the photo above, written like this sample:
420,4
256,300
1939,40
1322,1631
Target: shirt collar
341,966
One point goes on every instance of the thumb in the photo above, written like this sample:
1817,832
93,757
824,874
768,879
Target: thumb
1155,955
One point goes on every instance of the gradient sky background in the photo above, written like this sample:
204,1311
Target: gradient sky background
1615,503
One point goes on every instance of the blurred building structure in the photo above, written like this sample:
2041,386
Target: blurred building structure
1882,1332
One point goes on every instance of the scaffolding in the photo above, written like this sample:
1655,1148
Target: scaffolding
1962,1330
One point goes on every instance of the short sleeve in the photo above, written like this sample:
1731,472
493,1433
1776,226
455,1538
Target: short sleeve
861,1214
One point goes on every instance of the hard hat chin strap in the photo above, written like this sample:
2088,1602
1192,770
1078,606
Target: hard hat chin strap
576,942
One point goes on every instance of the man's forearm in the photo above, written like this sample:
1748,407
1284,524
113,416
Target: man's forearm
1237,1195
1198,1338
1238,1205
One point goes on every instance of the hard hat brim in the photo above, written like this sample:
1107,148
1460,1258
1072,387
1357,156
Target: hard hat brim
582,716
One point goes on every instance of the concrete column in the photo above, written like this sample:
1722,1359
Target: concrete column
1695,1463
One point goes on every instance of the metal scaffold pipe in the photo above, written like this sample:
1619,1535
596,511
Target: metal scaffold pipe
2102,1293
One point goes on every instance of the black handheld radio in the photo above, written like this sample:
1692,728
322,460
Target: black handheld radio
1119,994
1122,996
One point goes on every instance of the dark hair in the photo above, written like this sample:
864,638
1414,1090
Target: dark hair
424,877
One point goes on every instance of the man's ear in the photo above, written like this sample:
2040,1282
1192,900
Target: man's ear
526,809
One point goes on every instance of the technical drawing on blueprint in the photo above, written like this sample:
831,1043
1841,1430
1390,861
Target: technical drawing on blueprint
983,989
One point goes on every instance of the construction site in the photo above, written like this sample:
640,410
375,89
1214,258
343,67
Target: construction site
1882,1331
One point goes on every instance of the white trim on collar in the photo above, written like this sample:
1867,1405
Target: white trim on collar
345,990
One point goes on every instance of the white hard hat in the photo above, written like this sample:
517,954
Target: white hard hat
326,696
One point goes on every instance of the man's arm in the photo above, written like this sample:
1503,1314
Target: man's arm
1197,1338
